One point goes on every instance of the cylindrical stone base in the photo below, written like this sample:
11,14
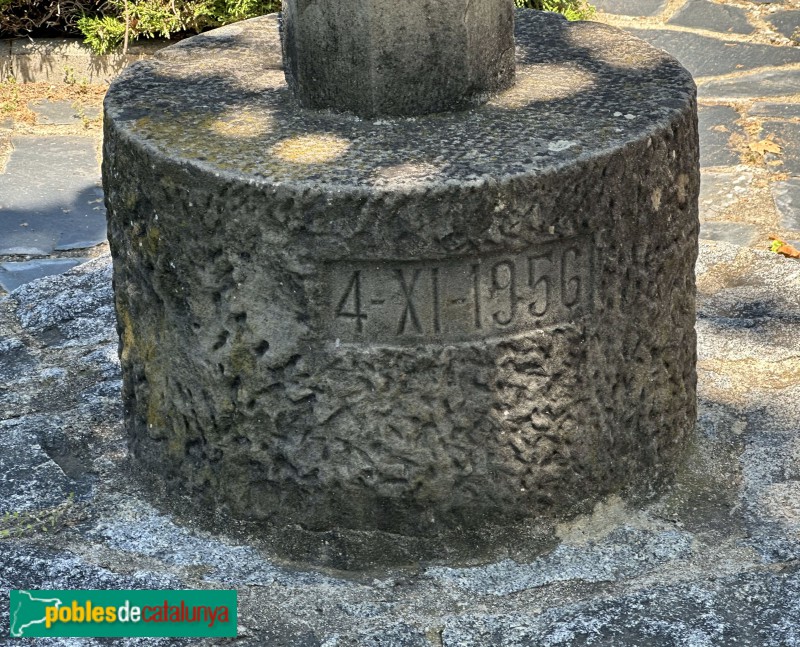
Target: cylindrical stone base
410,326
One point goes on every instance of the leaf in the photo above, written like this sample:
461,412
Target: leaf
780,247
766,145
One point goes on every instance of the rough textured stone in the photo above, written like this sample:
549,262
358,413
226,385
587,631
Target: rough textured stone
703,14
713,561
374,57
388,325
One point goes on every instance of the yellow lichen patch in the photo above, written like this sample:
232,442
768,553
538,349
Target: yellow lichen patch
756,374
545,82
310,149
241,123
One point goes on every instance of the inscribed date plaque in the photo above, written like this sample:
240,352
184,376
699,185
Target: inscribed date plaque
460,299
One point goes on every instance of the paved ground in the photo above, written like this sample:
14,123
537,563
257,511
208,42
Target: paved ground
745,57
51,204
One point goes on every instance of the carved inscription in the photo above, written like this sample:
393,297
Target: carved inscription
460,299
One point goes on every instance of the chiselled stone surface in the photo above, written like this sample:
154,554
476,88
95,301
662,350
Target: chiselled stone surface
375,57
417,326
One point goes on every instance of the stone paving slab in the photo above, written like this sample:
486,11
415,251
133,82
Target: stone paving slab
50,196
736,233
718,191
765,109
763,83
787,202
707,56
61,113
704,14
786,23
14,274
717,124
627,8
787,134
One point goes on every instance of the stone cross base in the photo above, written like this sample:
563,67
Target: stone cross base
406,329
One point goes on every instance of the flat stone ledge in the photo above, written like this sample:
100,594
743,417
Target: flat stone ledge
64,60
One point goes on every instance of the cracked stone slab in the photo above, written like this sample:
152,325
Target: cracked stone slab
50,196
717,124
718,191
707,56
14,274
787,201
786,23
765,83
703,14
61,113
737,233
628,8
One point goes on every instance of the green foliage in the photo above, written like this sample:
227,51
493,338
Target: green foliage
164,18
102,33
572,9
103,22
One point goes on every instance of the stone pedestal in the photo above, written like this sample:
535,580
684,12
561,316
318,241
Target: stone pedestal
406,327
